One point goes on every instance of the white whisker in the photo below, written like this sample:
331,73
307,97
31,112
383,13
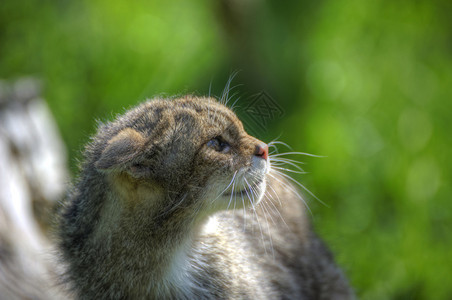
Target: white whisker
292,190
173,207
232,180
244,212
278,212
232,193
265,212
274,143
302,186
288,170
285,159
255,213
210,88
275,193
233,106
225,96
298,153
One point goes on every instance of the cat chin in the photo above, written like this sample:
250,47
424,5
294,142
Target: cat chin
245,188
244,196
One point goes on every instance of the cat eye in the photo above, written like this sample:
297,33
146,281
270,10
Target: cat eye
219,145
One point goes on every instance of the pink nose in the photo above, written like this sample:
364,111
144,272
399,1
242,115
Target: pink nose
262,151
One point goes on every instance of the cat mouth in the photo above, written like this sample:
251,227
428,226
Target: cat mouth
236,193
245,191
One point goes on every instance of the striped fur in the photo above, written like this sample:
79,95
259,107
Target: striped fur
158,214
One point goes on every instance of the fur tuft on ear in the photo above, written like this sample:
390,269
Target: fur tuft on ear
121,149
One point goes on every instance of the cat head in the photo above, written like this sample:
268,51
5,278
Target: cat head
188,147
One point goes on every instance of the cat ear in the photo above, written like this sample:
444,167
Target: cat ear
121,149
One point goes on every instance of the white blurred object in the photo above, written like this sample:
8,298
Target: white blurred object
33,174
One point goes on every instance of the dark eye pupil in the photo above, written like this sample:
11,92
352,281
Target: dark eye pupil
218,145
213,143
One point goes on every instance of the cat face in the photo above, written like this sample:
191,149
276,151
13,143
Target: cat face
187,146
233,162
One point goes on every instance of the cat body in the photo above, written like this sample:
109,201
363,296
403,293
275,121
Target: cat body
176,201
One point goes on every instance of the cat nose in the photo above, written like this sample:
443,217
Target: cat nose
261,151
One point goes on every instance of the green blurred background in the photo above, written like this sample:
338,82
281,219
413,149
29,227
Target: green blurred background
368,84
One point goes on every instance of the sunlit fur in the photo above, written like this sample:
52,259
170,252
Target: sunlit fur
158,214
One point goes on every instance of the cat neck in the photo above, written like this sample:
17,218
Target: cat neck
146,253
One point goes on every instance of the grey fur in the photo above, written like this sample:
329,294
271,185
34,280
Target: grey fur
148,217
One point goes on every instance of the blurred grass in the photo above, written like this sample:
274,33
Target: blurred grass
367,84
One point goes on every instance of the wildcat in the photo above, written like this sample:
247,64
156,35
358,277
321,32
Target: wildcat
176,201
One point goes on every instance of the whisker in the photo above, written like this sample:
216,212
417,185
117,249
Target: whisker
225,96
232,96
173,207
286,160
275,140
273,143
288,170
267,208
232,180
275,193
270,153
233,104
235,200
298,153
277,211
210,88
270,198
286,166
265,212
292,190
273,147
232,193
246,191
244,212
255,214
302,186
